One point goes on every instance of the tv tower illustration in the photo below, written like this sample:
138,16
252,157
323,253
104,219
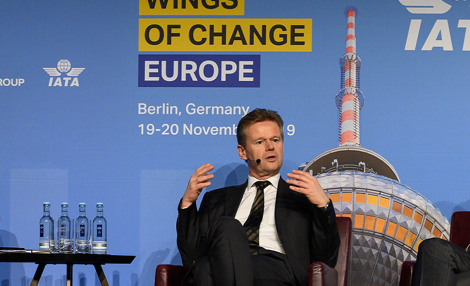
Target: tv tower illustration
389,219
350,100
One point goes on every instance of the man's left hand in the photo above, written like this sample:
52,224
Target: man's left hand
308,185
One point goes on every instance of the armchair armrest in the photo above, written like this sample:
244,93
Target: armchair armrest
170,275
322,275
406,273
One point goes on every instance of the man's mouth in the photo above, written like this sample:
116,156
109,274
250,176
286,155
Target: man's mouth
271,158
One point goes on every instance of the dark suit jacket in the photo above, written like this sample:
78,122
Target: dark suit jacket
307,233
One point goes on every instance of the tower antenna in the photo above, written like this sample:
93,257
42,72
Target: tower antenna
350,100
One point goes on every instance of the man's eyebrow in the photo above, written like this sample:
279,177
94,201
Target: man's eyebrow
263,138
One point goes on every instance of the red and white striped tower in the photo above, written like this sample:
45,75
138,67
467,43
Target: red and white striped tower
350,99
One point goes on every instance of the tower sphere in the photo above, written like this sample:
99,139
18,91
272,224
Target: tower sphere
389,219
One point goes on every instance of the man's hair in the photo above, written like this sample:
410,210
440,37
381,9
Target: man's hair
255,116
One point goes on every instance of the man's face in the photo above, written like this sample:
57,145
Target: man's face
263,142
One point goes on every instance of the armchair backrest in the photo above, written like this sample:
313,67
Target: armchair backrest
344,229
460,228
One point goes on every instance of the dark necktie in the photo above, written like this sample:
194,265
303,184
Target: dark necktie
256,215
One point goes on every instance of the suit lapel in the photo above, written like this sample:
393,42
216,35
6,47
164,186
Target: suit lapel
282,190
233,199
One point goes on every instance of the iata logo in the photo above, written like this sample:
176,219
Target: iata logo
440,36
58,77
426,6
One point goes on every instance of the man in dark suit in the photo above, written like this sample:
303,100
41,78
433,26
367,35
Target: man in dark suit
265,232
439,262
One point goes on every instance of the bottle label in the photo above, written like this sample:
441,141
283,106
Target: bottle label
82,230
41,230
99,230
63,228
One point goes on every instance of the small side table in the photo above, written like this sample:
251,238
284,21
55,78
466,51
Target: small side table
42,259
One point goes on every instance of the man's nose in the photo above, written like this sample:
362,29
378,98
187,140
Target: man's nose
269,145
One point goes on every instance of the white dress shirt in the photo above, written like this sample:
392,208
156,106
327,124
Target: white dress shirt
268,237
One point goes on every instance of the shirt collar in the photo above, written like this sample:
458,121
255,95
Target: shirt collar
274,180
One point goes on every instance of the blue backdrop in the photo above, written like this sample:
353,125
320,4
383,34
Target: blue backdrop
79,135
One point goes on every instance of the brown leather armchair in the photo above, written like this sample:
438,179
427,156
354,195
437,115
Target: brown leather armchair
320,273
459,235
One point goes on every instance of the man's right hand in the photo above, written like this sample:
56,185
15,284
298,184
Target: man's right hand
198,181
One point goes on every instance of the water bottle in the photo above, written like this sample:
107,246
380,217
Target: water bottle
46,229
99,244
82,233
64,231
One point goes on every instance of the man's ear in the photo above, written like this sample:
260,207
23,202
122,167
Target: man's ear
241,152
